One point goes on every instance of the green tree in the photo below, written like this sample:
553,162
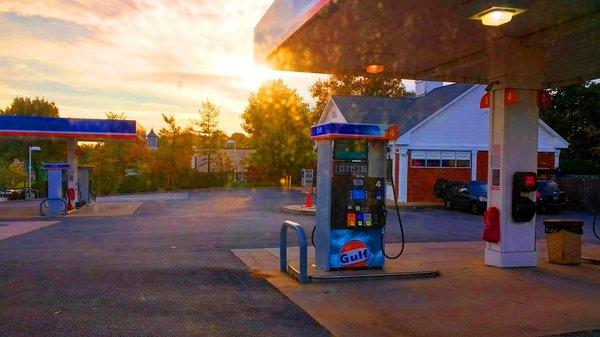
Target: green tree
210,136
174,153
278,123
115,163
25,106
14,175
347,85
574,114
241,140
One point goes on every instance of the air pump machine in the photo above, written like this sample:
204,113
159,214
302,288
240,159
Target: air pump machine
351,193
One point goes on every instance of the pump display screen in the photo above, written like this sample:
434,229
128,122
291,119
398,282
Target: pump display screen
350,168
359,194
350,149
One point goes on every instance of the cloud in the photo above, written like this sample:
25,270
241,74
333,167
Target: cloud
140,56
42,28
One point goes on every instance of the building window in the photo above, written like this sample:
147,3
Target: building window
418,158
445,159
448,159
463,159
433,159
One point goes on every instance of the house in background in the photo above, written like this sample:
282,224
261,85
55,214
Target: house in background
442,134
152,140
224,160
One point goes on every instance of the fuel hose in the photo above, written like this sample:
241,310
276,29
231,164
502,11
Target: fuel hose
399,224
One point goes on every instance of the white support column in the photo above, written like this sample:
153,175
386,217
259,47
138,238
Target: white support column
513,146
556,158
403,174
72,179
474,165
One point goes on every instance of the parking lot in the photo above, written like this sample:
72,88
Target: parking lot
166,269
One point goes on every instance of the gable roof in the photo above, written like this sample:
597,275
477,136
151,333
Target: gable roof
406,112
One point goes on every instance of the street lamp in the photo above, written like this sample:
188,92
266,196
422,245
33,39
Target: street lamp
31,148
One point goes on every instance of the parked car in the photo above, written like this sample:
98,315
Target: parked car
470,196
550,197
442,186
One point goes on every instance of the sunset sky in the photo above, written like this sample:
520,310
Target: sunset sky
142,57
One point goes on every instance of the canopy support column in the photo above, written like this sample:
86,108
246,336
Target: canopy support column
515,74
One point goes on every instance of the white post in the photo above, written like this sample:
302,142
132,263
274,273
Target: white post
474,165
403,174
556,158
513,146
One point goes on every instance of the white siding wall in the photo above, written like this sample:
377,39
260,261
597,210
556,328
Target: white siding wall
545,140
462,126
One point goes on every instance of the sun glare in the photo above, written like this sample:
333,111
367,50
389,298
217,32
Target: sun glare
245,73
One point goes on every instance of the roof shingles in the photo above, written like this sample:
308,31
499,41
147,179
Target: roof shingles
406,112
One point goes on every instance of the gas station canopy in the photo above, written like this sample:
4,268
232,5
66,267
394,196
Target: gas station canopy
434,39
78,129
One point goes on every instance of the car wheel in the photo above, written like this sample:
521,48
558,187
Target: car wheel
448,204
474,209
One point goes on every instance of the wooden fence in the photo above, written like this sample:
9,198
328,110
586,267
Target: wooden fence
583,191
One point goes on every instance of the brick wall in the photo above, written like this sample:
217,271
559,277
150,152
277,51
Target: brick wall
482,165
421,180
545,160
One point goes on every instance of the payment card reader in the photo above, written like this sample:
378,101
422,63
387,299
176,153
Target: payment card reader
351,214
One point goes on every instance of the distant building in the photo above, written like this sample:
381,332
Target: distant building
152,140
223,160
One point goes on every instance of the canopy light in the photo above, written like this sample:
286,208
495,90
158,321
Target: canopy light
497,16
374,68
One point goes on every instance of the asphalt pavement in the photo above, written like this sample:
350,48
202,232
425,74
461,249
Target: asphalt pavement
167,269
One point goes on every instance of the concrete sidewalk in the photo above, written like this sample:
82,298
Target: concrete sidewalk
467,299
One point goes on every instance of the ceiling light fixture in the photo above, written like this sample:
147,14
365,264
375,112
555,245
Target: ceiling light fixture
374,68
497,16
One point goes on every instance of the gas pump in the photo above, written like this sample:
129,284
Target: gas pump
350,209
56,175
83,184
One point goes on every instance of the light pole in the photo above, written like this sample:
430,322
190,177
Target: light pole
31,148
231,142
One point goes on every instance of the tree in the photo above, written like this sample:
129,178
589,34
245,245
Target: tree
52,151
574,114
241,140
278,122
14,175
347,85
24,106
113,160
209,118
175,152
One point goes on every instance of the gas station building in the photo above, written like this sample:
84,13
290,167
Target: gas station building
515,48
443,135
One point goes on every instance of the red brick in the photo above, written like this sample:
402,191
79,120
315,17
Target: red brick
422,179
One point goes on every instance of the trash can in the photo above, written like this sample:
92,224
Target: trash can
563,240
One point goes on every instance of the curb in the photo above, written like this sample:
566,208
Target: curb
298,209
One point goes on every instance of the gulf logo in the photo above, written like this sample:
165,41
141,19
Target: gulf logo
354,255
